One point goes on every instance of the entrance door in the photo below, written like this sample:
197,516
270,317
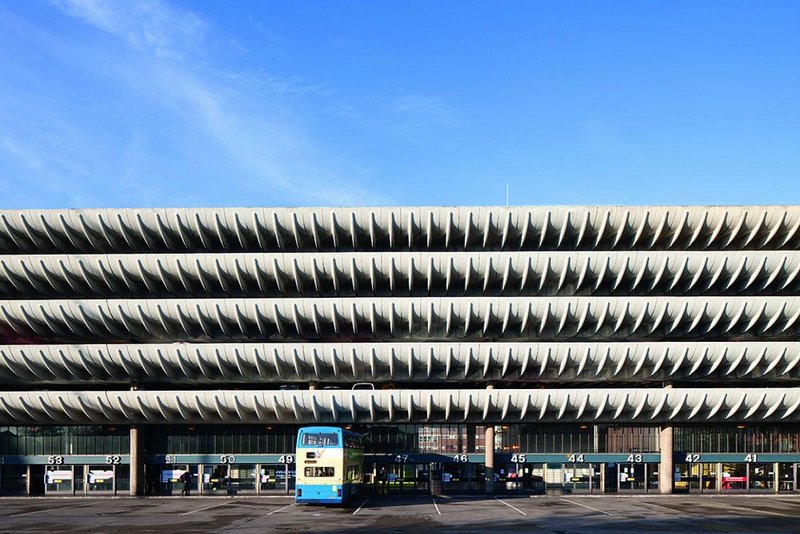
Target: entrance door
581,478
409,477
786,477
462,477
100,479
273,479
632,477
734,478
171,478
59,480
612,477
243,478
761,477
36,479
216,479
14,480
687,478
402,478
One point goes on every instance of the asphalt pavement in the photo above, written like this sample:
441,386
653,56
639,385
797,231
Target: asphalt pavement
503,513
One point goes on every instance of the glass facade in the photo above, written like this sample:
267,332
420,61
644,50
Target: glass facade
468,439
577,438
738,439
218,439
432,439
409,438
63,440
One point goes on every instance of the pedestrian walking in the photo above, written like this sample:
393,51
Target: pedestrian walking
186,478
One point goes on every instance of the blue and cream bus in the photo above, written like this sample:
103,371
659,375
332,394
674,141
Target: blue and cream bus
329,465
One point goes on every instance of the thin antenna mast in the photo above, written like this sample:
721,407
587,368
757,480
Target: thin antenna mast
506,194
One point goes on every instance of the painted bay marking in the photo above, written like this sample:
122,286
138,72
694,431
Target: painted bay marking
360,507
47,510
206,508
512,507
740,507
674,511
436,505
585,506
281,508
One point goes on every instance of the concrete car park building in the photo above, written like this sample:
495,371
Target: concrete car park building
595,349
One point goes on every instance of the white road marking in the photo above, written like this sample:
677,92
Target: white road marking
512,507
739,507
203,509
585,506
436,506
674,511
281,508
360,507
47,510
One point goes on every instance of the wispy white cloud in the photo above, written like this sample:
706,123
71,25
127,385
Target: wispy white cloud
144,24
22,154
424,111
269,146
415,118
273,84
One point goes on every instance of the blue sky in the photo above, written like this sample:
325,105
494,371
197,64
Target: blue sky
384,103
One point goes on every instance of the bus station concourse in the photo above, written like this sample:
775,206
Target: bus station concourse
443,459
532,350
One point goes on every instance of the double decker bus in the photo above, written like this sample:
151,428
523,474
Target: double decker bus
329,465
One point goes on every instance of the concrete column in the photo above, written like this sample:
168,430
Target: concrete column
602,478
312,386
719,477
489,447
665,468
700,475
136,466
489,464
747,478
776,477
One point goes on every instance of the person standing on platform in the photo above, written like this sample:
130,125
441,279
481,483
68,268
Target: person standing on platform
186,478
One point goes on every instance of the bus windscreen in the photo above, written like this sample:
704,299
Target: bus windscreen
320,439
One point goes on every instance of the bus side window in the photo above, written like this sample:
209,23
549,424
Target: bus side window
319,471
